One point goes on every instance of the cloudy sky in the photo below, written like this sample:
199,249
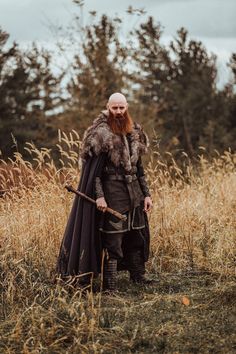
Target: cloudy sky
211,21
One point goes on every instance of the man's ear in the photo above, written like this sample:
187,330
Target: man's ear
107,106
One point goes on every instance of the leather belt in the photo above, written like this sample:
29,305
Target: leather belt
126,178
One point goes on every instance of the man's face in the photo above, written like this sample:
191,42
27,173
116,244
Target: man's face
119,119
118,109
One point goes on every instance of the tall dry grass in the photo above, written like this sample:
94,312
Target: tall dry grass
193,222
194,217
193,229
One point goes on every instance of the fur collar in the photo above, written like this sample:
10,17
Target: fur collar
100,138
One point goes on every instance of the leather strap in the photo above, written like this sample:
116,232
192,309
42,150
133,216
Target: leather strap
126,178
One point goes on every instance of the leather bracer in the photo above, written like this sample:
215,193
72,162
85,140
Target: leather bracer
98,188
144,186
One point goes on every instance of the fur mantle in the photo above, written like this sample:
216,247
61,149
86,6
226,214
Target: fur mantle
100,138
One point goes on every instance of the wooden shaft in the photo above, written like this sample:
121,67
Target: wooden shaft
109,210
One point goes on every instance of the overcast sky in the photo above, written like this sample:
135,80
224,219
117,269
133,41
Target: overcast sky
211,21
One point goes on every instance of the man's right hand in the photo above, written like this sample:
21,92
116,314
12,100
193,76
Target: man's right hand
101,204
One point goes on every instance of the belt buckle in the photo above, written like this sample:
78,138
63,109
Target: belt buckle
128,178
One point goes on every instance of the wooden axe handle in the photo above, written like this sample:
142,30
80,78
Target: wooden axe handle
109,210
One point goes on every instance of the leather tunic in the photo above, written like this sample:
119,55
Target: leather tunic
122,191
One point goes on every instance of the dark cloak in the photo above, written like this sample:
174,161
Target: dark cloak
81,247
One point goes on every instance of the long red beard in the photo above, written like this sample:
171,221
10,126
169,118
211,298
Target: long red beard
120,124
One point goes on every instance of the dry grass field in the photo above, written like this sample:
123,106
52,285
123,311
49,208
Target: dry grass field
189,309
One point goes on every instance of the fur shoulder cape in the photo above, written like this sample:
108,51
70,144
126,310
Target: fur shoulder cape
100,138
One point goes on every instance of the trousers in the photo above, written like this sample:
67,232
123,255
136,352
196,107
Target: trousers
120,244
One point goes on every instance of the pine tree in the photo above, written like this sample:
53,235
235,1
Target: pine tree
178,86
98,72
28,92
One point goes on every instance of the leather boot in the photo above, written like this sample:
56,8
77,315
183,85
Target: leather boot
110,274
137,268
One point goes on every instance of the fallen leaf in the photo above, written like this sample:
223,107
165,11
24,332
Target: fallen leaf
185,301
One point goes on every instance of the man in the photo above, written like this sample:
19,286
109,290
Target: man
113,175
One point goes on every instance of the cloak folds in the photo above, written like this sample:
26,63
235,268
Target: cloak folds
81,247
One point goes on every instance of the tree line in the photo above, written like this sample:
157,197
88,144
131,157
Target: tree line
171,89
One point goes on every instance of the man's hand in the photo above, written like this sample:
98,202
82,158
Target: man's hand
101,204
147,204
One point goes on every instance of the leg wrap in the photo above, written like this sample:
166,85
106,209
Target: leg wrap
110,274
136,266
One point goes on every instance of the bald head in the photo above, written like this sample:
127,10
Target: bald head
117,98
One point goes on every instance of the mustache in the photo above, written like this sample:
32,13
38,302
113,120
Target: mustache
119,116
